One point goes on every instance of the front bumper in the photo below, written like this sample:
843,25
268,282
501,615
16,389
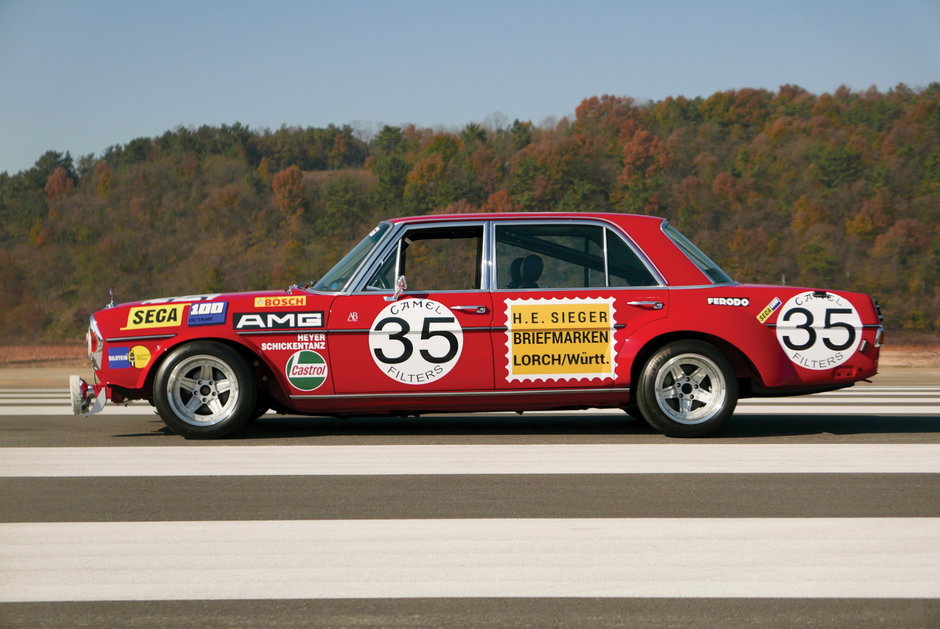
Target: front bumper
87,399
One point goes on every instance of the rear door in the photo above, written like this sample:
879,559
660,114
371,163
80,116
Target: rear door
568,295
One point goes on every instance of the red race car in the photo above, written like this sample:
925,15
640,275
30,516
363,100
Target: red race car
487,312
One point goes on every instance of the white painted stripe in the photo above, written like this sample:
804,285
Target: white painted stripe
366,460
899,410
649,557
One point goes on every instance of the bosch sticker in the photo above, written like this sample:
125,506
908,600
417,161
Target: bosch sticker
306,370
560,339
416,341
819,330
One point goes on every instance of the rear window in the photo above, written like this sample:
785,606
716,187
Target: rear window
702,261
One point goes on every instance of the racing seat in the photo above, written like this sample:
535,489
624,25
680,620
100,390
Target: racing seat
515,273
532,267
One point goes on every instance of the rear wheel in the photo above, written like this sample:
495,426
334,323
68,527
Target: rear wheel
687,389
205,390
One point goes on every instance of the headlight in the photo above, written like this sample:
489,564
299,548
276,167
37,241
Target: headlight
95,343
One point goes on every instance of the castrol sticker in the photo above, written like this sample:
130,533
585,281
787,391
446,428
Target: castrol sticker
819,330
415,341
306,370
560,339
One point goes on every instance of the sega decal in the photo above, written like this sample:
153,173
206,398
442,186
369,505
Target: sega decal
207,313
306,370
161,316
819,330
560,339
416,341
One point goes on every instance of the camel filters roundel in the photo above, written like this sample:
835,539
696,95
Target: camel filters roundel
306,370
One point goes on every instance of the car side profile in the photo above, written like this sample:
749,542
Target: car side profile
487,312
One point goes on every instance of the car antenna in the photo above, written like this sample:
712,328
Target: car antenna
111,294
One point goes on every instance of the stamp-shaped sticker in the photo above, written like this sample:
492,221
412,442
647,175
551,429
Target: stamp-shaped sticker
560,339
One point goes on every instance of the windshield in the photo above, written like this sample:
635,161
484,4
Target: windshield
337,277
702,261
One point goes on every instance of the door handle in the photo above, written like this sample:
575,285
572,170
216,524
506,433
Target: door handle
473,309
655,305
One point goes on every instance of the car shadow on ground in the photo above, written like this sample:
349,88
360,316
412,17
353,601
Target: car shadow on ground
575,427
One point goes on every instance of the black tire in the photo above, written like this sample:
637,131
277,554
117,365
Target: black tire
687,389
205,390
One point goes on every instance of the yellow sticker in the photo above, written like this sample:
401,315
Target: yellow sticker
552,339
771,308
160,316
139,356
281,302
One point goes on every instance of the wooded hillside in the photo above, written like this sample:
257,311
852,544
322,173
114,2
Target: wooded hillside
835,190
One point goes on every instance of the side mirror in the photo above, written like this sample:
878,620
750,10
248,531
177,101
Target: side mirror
401,285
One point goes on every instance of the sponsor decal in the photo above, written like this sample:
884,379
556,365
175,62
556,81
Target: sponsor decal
560,339
771,308
162,316
285,301
729,301
277,320
306,370
138,356
184,299
304,341
416,341
117,357
819,330
352,317
207,313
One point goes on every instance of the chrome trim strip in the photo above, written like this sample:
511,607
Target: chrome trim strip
356,396
150,337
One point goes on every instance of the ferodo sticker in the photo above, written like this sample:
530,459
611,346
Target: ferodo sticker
162,316
416,341
306,370
818,330
560,339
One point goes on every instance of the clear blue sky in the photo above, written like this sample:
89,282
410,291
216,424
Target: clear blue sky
82,75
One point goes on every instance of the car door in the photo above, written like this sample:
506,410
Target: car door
567,296
428,334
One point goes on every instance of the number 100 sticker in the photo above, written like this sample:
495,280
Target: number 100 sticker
415,341
818,331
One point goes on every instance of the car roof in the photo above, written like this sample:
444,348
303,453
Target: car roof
622,219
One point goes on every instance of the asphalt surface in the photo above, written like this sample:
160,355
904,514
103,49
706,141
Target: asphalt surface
853,501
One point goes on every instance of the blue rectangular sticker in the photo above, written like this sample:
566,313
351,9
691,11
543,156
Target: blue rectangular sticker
207,313
118,357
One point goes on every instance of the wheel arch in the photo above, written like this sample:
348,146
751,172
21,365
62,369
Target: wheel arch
265,379
744,369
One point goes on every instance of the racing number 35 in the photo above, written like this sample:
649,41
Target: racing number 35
415,341
811,335
818,331
407,347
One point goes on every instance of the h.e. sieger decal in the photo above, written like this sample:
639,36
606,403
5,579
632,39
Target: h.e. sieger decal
560,339
819,330
415,341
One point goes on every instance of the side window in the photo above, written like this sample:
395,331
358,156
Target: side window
434,259
624,267
565,255
553,255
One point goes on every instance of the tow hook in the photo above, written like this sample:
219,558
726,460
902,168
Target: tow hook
85,400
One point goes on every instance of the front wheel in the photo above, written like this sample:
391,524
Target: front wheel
687,389
205,390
